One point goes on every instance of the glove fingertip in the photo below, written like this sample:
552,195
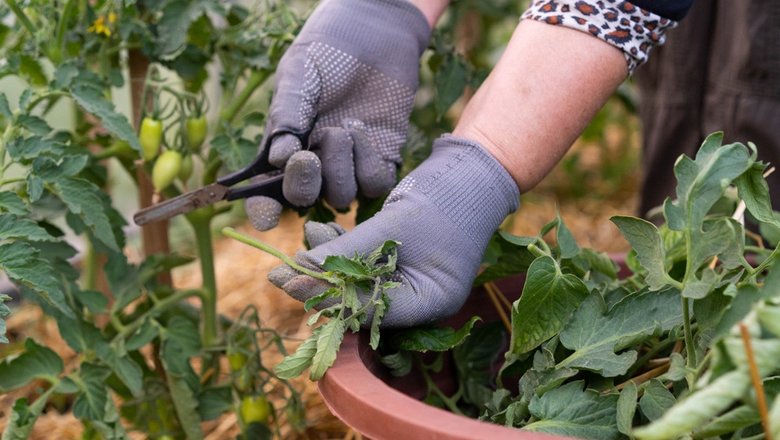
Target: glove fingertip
317,233
302,179
303,287
282,148
263,212
281,275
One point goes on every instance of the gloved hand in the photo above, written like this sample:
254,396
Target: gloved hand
349,78
443,214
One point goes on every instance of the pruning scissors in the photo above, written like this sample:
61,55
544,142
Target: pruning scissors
268,182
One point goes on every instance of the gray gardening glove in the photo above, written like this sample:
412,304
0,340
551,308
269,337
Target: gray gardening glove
443,214
349,79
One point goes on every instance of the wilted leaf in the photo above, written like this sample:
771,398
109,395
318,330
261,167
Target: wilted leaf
328,343
296,363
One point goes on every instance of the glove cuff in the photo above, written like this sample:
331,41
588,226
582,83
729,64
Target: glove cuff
386,34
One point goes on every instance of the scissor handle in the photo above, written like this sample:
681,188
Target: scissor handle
260,165
269,187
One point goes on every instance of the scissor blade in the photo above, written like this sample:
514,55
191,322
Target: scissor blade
182,204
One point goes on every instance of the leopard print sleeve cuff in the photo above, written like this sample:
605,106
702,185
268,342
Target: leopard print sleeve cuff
631,29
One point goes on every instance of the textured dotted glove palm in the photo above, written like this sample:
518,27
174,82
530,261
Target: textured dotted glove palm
443,214
349,80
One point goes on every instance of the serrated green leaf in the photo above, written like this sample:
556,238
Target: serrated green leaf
379,312
22,263
34,188
430,338
235,153
177,16
5,108
92,101
317,299
84,199
656,400
295,364
186,405
144,335
50,170
597,335
91,403
732,421
36,362
22,419
213,402
626,407
506,255
702,181
754,191
400,363
13,227
698,408
646,242
13,204
774,414
353,268
34,124
566,242
548,300
25,149
451,80
328,343
93,300
475,359
572,411
185,333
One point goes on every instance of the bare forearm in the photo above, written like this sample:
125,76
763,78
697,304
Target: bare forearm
549,83
431,9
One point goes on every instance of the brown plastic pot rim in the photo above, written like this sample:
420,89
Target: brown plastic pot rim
373,408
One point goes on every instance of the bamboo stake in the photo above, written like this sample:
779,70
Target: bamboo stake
755,377
493,295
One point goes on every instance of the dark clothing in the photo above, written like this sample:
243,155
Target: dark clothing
718,71
672,9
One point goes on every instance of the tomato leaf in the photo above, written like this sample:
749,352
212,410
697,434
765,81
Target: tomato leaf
13,204
13,227
4,312
572,411
177,17
235,152
296,363
36,362
85,199
23,264
656,400
548,300
92,100
646,242
698,408
328,343
430,338
597,334
91,403
626,408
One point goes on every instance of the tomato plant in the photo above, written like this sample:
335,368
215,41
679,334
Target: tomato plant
146,360
686,345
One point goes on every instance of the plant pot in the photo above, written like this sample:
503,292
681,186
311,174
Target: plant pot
359,390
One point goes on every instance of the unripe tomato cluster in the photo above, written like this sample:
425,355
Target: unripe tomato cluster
170,164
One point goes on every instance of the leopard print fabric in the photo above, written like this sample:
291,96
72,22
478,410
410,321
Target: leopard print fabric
633,30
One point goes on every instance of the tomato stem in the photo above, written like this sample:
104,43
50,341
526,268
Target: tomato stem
256,79
202,228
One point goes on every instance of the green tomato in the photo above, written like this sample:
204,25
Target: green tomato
150,137
186,168
255,409
237,360
197,128
122,149
166,168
